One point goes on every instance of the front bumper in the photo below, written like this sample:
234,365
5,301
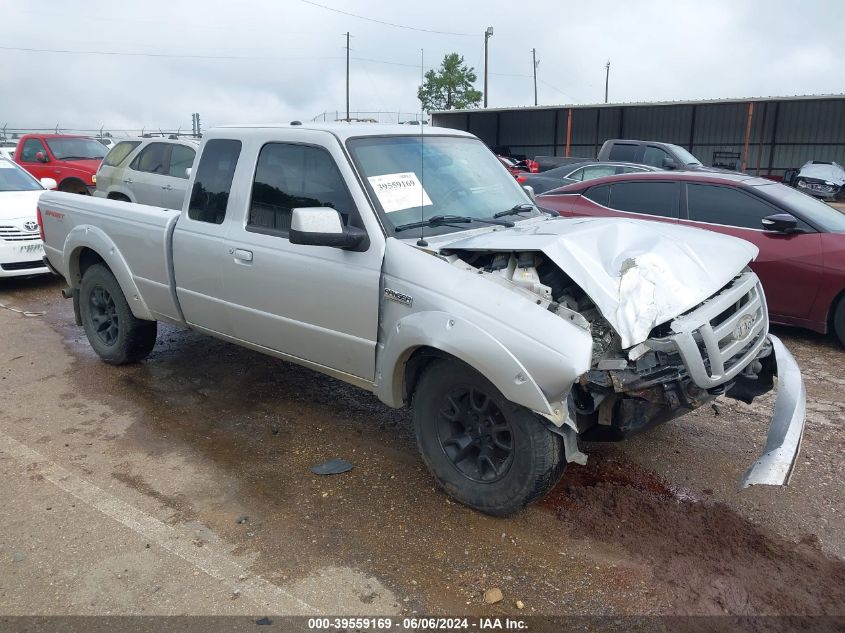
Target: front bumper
21,258
774,467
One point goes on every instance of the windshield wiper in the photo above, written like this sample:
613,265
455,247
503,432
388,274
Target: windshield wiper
523,207
76,158
440,220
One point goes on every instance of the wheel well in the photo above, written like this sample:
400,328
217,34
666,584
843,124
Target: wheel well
72,183
87,258
416,364
119,196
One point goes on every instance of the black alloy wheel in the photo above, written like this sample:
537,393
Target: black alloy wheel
104,315
475,435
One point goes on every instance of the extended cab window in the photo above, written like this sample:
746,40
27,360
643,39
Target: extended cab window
289,176
726,205
181,158
652,198
30,149
624,152
119,153
213,182
153,159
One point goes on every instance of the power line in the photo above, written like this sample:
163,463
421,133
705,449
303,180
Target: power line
398,26
130,54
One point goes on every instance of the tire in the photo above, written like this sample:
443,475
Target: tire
484,451
838,321
113,331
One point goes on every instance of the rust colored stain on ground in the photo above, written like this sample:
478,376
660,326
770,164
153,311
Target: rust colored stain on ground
706,558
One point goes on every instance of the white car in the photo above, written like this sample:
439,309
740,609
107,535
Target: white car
21,248
8,152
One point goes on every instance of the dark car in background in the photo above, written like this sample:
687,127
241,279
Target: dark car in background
655,153
801,239
577,172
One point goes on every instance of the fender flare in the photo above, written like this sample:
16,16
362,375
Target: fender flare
87,236
468,343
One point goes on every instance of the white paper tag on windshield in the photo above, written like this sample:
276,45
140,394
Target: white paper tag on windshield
399,191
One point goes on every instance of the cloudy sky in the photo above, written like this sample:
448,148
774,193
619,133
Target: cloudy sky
152,63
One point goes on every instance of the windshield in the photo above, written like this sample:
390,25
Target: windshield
809,208
76,148
453,176
13,178
685,156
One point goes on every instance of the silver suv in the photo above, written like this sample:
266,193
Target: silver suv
151,171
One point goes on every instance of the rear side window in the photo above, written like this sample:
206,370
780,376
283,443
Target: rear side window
725,205
119,153
181,158
599,194
213,182
623,152
290,176
652,198
153,159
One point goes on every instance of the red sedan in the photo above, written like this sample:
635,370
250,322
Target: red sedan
801,240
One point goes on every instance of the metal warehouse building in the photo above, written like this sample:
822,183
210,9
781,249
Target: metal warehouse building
763,136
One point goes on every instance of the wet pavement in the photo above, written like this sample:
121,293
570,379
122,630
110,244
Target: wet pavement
202,454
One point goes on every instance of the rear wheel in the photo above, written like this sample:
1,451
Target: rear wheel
116,334
485,451
838,321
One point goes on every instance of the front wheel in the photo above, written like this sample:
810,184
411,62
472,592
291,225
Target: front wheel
486,452
838,321
116,334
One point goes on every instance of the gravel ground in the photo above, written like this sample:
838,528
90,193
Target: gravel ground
155,488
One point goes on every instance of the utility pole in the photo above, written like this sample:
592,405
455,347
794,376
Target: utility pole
535,63
487,35
606,79
347,76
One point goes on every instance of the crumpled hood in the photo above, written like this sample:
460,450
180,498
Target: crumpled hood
831,172
638,273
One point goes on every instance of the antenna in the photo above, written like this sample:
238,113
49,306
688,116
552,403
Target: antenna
421,241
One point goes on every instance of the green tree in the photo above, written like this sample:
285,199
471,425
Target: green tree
450,87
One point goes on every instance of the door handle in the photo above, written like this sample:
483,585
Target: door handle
243,255
128,181
167,187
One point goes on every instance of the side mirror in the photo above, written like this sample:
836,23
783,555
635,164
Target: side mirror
41,157
322,226
780,223
668,163
530,191
49,183
188,172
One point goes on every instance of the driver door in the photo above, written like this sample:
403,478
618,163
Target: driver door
315,303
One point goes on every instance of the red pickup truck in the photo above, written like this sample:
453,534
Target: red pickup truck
72,161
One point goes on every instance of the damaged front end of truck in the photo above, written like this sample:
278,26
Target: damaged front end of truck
658,351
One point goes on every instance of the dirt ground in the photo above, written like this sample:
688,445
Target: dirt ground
181,485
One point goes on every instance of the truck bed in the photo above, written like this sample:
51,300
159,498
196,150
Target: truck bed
134,239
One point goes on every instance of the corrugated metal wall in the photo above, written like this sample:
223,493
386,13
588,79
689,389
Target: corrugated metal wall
784,133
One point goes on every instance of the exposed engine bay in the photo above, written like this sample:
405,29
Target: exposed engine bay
629,390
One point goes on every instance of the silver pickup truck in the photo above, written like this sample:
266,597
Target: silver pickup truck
411,264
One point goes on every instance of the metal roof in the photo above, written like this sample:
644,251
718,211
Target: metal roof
823,97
